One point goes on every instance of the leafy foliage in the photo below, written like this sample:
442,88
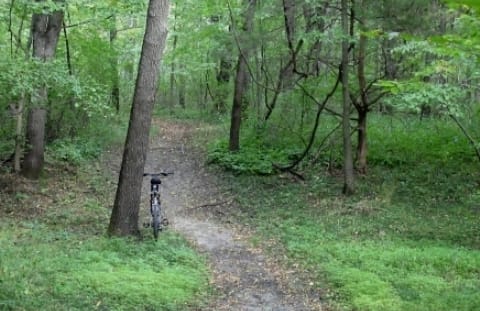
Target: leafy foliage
251,159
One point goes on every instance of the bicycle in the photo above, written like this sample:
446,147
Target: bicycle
159,220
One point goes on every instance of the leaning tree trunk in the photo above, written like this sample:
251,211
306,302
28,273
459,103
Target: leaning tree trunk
241,81
45,33
124,218
348,186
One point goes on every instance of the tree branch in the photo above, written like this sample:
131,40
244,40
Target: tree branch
321,107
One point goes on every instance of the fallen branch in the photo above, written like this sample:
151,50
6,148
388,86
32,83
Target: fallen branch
288,170
212,204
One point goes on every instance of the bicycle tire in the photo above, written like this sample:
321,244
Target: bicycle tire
156,221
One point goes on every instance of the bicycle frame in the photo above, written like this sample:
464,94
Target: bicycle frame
158,219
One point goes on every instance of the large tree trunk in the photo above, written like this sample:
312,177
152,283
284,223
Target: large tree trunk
45,33
124,218
241,81
348,186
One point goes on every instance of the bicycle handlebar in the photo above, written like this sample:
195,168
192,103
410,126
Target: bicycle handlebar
158,174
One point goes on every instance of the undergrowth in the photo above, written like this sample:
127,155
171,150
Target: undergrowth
89,142
409,238
392,141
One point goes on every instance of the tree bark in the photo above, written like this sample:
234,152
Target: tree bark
124,218
241,81
45,33
33,161
348,186
18,134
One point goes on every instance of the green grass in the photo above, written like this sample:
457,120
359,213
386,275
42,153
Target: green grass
54,254
374,253
408,240
53,270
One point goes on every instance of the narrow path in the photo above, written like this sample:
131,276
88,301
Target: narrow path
245,278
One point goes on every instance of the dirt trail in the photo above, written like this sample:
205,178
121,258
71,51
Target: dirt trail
245,278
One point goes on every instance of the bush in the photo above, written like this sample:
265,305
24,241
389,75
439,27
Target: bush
252,158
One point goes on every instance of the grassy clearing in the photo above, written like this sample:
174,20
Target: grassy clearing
408,240
54,254
58,270
374,253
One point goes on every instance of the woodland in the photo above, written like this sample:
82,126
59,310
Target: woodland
346,133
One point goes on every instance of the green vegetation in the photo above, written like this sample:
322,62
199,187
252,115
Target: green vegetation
90,142
53,270
408,240
54,254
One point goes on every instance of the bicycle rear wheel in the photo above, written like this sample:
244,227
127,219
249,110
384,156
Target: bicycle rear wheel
156,221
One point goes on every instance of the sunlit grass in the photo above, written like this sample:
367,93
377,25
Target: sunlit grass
375,255
46,270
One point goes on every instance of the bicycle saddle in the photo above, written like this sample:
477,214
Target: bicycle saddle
155,181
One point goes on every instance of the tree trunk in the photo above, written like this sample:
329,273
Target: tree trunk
348,186
33,161
241,81
313,14
124,218
223,79
18,112
172,96
182,87
362,148
45,33
362,106
289,12
115,92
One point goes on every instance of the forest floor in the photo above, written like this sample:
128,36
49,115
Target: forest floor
244,276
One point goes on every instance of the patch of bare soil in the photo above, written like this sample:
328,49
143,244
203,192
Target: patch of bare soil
21,198
245,277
